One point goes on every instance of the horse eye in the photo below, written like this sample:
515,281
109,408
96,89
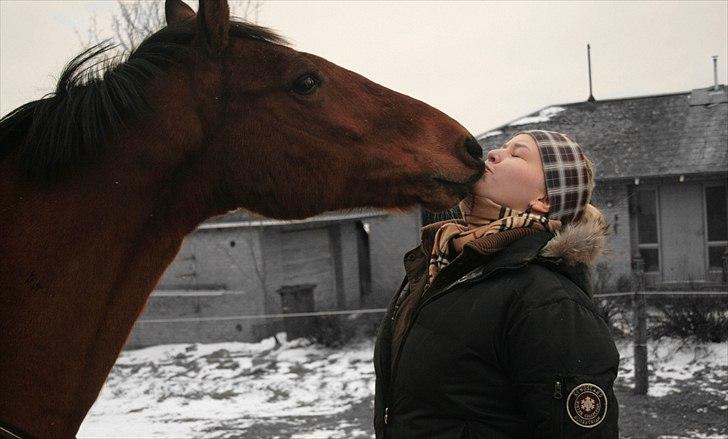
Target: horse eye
305,84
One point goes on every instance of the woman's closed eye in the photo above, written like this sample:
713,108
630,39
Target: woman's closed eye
515,154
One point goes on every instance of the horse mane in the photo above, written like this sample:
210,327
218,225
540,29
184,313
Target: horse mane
97,95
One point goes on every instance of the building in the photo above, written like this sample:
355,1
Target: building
236,265
661,166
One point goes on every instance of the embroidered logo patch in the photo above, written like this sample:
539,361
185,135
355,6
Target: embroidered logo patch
587,405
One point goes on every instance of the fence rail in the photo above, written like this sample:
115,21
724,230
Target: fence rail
665,293
382,310
639,304
264,316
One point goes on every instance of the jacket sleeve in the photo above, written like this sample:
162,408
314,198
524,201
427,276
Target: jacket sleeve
563,362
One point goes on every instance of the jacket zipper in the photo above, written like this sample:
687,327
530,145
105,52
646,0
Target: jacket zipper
557,390
395,311
559,415
414,318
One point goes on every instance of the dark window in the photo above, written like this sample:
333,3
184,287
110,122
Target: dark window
715,208
652,259
715,257
647,216
647,233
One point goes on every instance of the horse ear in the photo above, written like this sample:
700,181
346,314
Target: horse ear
176,11
213,23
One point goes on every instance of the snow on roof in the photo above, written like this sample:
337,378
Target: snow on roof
543,116
490,134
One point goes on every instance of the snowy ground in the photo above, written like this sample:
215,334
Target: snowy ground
223,389
672,361
298,390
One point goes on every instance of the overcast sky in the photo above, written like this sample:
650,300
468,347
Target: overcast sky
483,63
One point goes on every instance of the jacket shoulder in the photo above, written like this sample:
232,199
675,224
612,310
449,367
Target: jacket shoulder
537,286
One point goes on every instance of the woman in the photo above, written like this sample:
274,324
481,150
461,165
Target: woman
493,333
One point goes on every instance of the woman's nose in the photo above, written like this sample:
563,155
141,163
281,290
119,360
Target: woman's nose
494,155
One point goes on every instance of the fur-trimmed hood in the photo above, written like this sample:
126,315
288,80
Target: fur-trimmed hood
580,242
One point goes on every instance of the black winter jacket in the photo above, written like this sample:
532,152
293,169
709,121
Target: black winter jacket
511,349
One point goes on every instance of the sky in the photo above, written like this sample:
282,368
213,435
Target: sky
483,63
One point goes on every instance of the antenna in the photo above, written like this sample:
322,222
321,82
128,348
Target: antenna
588,55
715,72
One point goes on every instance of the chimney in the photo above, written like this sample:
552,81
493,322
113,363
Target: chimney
715,72
588,56
710,95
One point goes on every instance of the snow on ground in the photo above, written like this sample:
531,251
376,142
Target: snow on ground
223,389
671,360
181,390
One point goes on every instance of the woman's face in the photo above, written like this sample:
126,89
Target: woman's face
514,176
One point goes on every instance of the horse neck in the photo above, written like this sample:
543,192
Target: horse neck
84,255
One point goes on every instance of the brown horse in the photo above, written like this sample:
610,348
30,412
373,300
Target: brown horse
101,181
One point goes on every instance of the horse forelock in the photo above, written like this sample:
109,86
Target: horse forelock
98,94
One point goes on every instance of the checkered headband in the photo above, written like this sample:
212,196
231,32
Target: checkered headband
565,174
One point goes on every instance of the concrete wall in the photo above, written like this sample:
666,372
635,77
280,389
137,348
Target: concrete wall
613,200
213,275
215,259
238,271
389,238
350,265
148,330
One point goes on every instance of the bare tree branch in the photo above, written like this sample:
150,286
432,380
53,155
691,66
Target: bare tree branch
134,20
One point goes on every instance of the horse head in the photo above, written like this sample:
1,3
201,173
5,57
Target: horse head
291,134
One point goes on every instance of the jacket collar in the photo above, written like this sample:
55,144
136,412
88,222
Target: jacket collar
570,252
520,251
581,242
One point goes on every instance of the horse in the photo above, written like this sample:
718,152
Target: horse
101,180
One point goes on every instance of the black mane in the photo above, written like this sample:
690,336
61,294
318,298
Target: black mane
95,96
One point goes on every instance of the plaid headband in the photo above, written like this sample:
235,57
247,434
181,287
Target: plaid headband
565,174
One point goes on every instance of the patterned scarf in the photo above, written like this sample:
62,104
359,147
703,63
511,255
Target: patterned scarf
486,219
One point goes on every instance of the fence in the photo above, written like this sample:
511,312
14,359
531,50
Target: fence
639,308
298,303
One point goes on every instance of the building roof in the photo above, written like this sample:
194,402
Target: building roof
638,136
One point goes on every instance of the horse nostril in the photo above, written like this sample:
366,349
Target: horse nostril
473,147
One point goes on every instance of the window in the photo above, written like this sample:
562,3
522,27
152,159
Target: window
647,232
716,225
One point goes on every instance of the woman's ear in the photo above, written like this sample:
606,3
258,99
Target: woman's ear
541,205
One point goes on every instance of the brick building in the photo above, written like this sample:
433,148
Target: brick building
661,167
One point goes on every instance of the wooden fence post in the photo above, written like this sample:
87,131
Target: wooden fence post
640,326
